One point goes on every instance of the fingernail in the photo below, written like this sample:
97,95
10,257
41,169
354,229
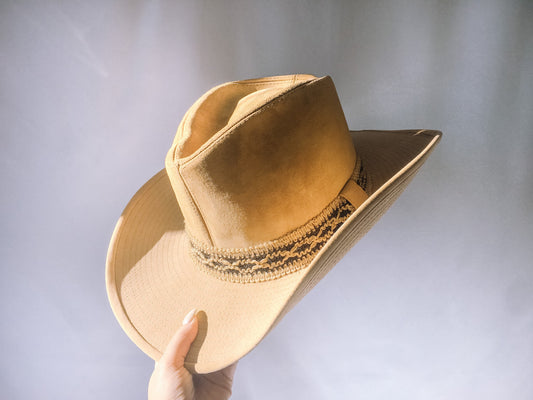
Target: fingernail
189,317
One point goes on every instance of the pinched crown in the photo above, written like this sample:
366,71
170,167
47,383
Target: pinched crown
257,167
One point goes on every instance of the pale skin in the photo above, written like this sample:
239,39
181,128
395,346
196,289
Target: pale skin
170,380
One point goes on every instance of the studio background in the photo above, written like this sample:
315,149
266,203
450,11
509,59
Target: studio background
435,302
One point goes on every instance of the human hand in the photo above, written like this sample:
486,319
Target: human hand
171,380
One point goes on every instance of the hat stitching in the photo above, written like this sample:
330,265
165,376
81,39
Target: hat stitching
224,134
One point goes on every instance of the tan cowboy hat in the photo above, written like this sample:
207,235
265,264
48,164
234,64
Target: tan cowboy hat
263,192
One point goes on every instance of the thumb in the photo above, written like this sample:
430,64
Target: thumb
179,344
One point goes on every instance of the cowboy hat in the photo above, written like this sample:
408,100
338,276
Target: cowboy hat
264,190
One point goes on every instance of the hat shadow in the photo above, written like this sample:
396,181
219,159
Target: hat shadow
192,355
155,208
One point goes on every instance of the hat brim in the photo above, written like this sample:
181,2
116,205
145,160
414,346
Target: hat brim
152,283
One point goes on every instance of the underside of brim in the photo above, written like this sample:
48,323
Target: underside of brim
152,283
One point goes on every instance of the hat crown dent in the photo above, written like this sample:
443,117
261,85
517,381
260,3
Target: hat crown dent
226,104
253,160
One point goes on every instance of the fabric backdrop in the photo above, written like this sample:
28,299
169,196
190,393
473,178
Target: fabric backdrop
436,302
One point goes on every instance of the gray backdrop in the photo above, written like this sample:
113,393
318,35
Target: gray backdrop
436,302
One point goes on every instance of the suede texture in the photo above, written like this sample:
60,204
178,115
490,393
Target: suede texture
209,117
254,160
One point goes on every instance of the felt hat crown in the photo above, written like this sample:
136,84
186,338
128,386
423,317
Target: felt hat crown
264,190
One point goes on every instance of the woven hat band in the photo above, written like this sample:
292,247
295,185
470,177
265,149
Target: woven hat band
289,253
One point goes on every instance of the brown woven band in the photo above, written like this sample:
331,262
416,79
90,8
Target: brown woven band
287,254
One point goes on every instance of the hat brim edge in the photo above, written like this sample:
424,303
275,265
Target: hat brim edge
329,255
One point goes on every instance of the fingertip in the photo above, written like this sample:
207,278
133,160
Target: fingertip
190,326
180,343
191,315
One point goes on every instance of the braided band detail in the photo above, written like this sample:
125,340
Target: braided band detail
277,258
287,254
